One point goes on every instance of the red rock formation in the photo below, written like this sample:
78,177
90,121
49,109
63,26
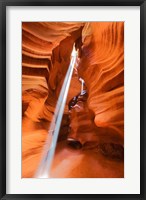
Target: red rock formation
46,49
102,68
90,151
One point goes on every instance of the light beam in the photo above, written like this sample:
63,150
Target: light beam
50,146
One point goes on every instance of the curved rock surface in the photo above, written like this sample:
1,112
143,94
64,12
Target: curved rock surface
102,68
46,49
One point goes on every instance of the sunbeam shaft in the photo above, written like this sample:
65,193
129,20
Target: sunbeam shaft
49,148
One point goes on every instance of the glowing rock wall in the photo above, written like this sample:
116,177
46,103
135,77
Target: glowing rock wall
102,68
46,49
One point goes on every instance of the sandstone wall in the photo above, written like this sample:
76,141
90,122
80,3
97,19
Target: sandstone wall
46,49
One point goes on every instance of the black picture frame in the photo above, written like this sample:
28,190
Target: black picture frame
3,128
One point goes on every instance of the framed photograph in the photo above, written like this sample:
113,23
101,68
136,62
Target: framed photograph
72,99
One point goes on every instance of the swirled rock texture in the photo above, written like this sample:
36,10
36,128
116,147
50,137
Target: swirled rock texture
46,50
102,68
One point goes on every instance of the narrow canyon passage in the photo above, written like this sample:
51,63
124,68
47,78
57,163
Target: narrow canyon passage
91,138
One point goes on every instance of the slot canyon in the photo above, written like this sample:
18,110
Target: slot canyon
91,137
